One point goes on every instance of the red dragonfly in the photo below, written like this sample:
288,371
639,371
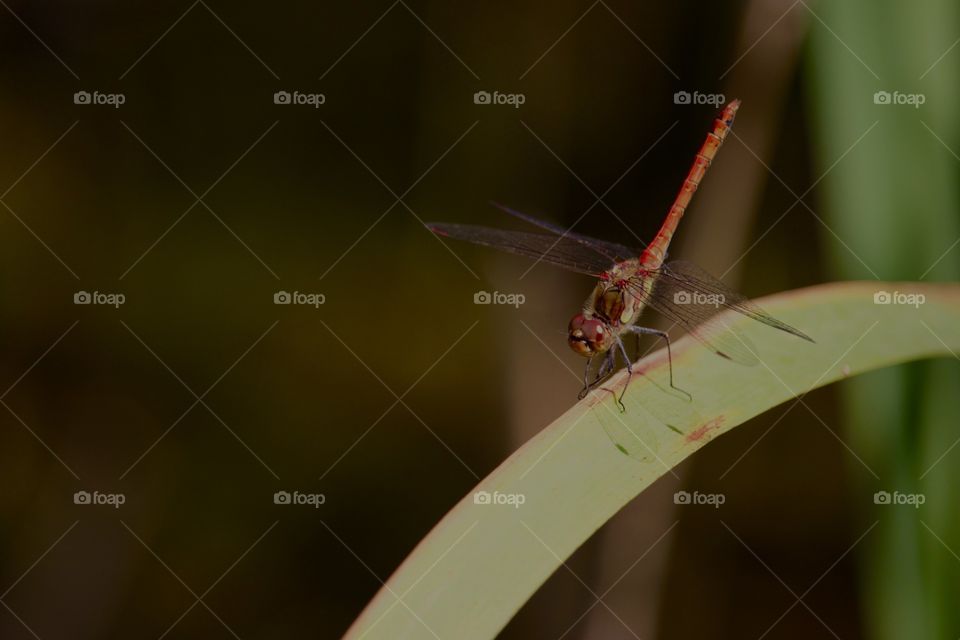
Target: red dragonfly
630,280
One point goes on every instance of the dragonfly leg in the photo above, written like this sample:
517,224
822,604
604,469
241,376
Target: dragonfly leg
609,362
626,358
666,338
586,380
605,367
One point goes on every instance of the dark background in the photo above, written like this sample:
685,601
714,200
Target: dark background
199,397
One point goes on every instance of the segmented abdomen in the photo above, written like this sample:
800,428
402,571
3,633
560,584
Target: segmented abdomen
654,254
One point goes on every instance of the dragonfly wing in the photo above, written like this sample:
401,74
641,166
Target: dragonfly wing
686,276
559,251
615,252
692,298
702,322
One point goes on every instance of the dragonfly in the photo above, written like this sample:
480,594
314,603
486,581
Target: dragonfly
629,280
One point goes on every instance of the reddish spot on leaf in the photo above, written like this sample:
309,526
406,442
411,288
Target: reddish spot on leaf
700,432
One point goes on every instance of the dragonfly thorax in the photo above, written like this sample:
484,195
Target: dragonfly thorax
610,304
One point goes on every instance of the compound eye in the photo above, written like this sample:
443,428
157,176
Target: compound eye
597,334
578,338
576,323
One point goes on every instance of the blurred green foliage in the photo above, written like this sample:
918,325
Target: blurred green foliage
895,204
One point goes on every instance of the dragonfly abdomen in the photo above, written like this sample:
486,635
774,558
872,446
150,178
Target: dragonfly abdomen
655,253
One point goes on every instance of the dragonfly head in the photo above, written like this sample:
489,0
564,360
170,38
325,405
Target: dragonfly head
589,336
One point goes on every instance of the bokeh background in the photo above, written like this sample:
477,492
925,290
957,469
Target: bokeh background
199,198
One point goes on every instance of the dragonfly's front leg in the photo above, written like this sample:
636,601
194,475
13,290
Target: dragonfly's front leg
626,358
586,380
666,338
605,367
609,362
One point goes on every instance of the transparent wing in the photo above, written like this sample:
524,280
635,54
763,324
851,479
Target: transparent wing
691,297
682,275
560,251
616,252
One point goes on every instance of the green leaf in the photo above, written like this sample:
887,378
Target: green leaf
479,565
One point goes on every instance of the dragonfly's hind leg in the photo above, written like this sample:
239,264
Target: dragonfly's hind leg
666,338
